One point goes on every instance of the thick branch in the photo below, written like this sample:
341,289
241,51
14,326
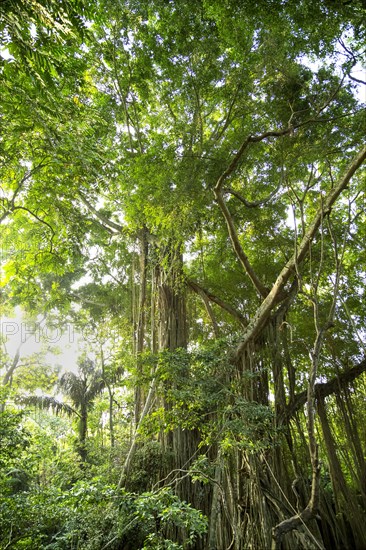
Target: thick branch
210,311
358,80
323,389
290,524
202,291
5,214
243,258
15,363
249,204
250,139
109,223
300,254
219,192
79,298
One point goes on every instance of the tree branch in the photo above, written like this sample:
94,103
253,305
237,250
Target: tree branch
219,192
290,524
300,254
209,310
226,120
324,389
10,202
15,362
109,223
243,258
38,219
203,292
249,204
250,139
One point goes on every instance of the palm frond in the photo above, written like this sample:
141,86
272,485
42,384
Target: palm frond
47,402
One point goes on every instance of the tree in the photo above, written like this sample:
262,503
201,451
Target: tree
82,389
208,174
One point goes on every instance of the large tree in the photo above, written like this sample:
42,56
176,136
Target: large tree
205,168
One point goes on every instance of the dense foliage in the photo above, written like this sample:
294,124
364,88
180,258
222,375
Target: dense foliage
182,202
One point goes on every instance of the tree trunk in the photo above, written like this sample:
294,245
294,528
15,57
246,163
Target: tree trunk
348,506
83,430
172,323
111,423
345,406
141,320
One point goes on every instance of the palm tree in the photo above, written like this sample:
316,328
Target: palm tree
82,389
